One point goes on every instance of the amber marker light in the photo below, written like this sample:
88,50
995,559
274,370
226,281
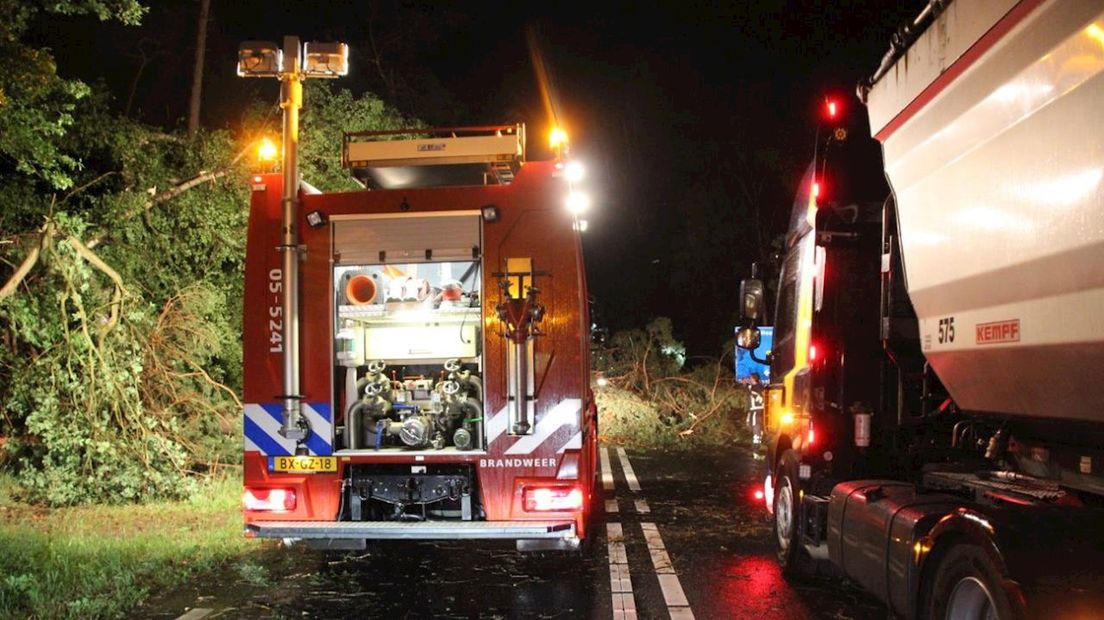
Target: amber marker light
557,138
266,150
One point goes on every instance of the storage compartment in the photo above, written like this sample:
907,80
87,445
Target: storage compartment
408,341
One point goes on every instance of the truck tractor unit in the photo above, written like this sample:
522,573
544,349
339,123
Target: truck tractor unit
935,409
443,354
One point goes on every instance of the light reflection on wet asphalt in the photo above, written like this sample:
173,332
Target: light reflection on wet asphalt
716,537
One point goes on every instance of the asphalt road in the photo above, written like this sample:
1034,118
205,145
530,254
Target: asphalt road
681,537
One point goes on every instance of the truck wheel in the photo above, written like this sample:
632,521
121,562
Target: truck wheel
967,586
787,518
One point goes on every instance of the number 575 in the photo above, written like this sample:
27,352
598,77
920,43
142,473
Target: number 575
946,330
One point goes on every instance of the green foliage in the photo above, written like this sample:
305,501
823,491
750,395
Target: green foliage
121,354
124,361
651,400
625,418
253,573
36,104
121,357
129,12
635,356
328,113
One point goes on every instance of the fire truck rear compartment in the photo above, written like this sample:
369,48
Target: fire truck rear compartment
408,339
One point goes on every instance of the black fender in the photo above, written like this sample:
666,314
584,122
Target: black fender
965,525
1052,555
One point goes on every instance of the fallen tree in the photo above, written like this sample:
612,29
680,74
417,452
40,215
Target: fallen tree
647,395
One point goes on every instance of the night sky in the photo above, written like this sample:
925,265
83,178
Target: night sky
685,112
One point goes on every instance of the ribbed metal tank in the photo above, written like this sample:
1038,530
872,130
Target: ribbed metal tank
992,126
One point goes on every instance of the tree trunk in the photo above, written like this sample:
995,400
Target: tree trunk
197,73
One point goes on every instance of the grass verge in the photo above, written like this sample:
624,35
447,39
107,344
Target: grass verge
101,561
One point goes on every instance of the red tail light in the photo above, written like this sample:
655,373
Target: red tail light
759,495
812,353
552,499
270,500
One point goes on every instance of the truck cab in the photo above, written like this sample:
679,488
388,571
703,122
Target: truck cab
934,408
825,322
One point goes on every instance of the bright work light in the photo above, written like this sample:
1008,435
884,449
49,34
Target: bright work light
574,172
577,202
325,60
260,59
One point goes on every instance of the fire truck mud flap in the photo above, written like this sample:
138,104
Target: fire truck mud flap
531,535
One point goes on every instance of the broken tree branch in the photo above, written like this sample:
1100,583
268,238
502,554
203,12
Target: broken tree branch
97,262
45,234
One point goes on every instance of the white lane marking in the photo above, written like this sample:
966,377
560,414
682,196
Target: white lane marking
677,605
607,471
624,607
620,580
680,613
660,560
621,594
196,614
630,476
642,506
615,539
611,505
651,535
672,592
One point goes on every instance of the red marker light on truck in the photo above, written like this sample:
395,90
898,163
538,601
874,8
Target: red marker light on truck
812,353
831,108
552,499
270,500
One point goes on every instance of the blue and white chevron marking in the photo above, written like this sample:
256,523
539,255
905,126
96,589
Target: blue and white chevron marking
262,429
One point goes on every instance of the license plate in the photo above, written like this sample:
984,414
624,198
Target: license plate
302,464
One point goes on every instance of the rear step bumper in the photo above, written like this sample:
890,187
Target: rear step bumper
419,530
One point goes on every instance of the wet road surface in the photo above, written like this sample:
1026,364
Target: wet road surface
680,536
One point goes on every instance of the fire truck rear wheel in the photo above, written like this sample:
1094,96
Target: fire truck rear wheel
787,519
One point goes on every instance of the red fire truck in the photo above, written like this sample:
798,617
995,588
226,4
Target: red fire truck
443,349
